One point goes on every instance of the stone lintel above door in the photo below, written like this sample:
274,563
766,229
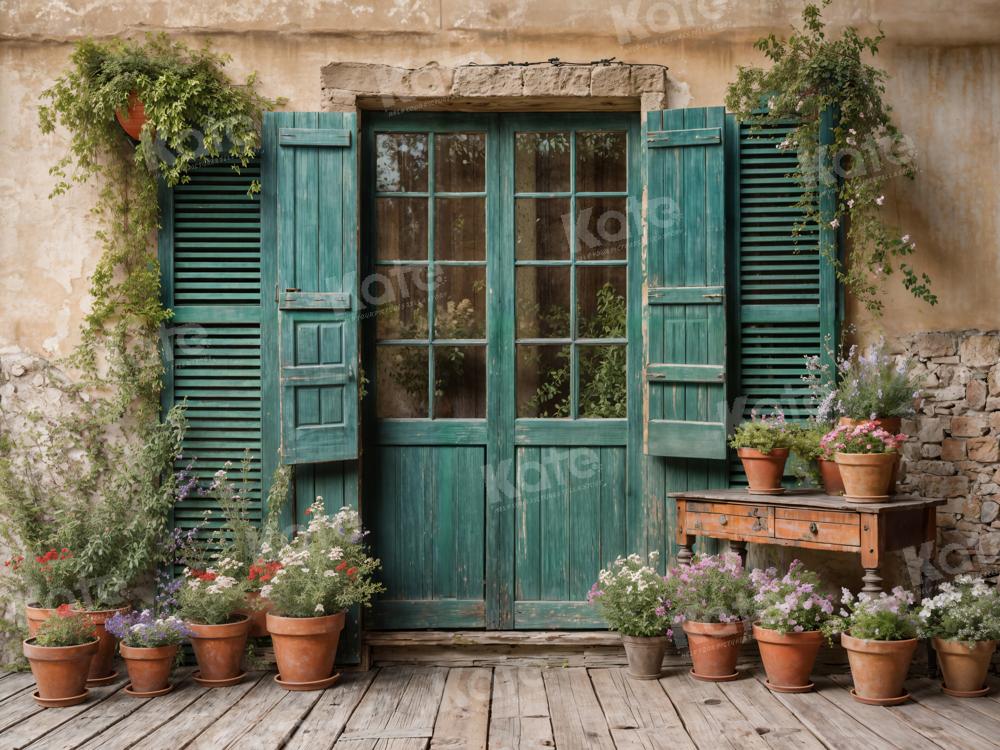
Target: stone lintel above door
609,86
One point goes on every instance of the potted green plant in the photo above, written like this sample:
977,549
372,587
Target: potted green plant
60,654
866,455
713,599
49,581
763,444
790,614
880,636
874,385
210,601
635,600
148,644
323,571
963,621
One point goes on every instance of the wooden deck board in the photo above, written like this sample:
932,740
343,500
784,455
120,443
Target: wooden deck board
501,708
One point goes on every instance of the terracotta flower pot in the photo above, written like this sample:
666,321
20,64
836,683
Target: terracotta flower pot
964,669
890,424
833,483
36,616
867,476
788,658
305,647
60,671
879,668
714,647
219,649
103,665
764,470
148,668
257,609
645,655
133,118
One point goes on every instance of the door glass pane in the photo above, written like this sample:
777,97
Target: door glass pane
543,302
601,162
460,228
541,162
601,229
401,228
401,162
459,382
543,228
602,382
402,381
398,295
543,374
459,162
601,302
460,302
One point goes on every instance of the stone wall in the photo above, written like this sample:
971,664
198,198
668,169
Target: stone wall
956,454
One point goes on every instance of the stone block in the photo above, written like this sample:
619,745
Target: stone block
972,425
989,511
994,381
932,429
975,394
945,360
541,80
930,450
648,79
980,351
368,78
574,80
951,393
985,449
989,544
611,80
935,486
653,101
995,420
939,468
430,80
935,345
488,80
952,449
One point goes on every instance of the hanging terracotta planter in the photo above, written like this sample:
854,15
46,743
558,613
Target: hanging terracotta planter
60,672
148,669
788,658
715,647
963,668
645,655
102,668
764,470
257,609
833,483
219,651
133,118
305,649
879,669
36,616
866,476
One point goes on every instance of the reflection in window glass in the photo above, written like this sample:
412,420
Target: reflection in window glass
543,377
602,382
459,162
398,296
460,302
543,228
460,228
402,382
459,382
601,302
601,161
601,229
401,162
401,228
543,301
541,162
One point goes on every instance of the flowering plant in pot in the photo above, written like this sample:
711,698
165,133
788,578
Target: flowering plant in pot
636,601
324,570
816,462
790,614
148,644
874,384
210,600
60,654
762,445
713,598
866,455
49,580
880,636
963,621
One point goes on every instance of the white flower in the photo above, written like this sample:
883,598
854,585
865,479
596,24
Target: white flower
880,200
906,238
835,223
319,608
330,573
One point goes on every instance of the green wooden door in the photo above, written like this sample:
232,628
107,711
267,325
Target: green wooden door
500,294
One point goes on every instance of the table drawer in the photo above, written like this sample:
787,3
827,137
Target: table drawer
846,534
826,516
730,509
710,524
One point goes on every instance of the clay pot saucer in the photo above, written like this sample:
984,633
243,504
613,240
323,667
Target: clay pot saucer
152,694
720,678
966,693
881,701
304,686
73,700
107,680
790,688
776,491
218,683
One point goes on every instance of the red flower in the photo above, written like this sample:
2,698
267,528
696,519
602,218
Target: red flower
204,575
309,511
351,571
63,610
342,565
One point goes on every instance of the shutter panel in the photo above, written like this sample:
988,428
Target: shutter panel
211,264
317,230
685,284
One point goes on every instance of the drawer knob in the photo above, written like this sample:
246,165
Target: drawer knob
813,528
723,520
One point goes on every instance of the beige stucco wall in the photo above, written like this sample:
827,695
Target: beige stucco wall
944,60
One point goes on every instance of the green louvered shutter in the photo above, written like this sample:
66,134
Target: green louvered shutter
785,293
317,239
210,262
685,284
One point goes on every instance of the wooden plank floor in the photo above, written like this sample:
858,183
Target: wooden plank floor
501,708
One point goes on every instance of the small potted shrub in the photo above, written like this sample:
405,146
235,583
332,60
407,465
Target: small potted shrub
762,445
635,600
49,580
866,455
60,654
790,615
713,599
323,571
148,644
874,385
963,621
210,600
819,463
880,636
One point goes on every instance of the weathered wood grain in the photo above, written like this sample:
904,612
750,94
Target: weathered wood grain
463,718
703,704
953,719
241,717
577,719
778,726
321,728
638,712
14,683
401,704
519,717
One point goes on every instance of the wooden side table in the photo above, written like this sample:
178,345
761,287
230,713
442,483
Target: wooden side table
806,519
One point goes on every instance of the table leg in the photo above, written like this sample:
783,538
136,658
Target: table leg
740,548
684,553
872,581
871,553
